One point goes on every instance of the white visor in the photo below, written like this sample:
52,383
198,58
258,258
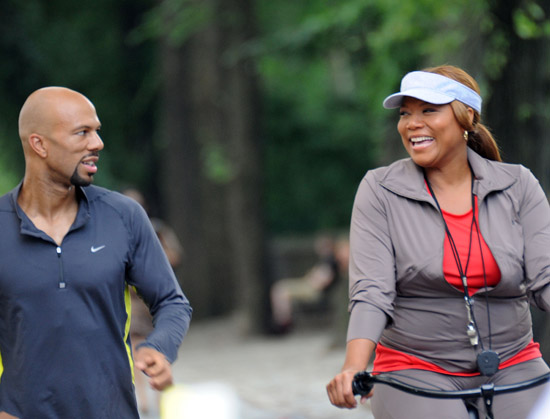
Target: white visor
433,88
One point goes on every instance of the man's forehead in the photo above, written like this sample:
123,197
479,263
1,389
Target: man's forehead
74,110
77,122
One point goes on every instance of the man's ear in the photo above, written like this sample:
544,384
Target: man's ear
37,143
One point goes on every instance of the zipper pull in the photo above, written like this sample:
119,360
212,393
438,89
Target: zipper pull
62,283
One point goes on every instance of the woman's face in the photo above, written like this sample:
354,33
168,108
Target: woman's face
430,133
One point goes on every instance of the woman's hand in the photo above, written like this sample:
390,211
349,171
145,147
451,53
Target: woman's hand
340,390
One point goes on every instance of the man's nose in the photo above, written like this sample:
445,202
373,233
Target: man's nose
96,143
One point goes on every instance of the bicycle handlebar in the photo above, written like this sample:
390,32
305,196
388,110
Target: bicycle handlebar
364,381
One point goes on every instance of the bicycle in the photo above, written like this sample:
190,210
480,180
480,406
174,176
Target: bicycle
364,381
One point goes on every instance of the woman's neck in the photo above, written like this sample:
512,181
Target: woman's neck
452,188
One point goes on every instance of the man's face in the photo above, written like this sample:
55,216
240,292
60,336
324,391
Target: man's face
75,142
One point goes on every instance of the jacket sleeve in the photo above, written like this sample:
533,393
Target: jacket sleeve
534,217
155,282
372,264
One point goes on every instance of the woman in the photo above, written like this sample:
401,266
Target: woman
448,249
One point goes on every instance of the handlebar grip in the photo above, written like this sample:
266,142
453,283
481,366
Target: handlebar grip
362,383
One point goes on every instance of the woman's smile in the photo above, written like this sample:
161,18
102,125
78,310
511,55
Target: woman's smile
421,142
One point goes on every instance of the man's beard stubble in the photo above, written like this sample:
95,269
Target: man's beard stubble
78,180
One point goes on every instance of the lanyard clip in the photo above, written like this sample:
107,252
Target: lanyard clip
471,329
472,334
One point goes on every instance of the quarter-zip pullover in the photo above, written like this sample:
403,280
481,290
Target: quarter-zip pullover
64,309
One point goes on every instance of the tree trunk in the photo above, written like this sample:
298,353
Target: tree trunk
517,109
517,113
182,179
213,172
245,206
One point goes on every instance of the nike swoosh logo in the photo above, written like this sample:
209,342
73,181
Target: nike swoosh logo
96,249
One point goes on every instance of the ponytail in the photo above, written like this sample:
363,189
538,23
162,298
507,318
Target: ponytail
483,143
480,138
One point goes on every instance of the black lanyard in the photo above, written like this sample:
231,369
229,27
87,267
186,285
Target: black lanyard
454,249
488,360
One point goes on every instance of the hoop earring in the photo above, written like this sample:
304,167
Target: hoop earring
465,135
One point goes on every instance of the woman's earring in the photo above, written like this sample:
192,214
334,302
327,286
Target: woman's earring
465,136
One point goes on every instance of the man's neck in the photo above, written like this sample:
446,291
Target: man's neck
52,209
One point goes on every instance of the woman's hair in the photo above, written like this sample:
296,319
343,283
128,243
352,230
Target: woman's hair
480,138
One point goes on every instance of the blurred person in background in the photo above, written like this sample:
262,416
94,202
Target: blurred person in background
70,253
340,293
448,249
312,288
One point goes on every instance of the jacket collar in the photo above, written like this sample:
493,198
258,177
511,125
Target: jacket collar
27,226
406,178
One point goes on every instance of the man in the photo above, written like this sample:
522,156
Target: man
69,252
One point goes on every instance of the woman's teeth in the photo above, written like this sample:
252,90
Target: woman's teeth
420,139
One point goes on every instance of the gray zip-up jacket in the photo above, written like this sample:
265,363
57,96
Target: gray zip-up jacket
398,294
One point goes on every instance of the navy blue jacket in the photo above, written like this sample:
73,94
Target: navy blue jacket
64,310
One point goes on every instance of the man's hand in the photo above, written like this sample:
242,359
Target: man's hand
4,415
155,366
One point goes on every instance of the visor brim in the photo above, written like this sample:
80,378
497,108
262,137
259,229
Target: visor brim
425,95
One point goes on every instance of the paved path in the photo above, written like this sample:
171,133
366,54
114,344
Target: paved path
256,378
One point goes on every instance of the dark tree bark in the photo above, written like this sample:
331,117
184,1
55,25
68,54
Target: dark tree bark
518,113
245,190
182,180
519,94
213,165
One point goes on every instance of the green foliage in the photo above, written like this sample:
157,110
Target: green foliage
216,164
9,169
83,46
531,22
174,20
325,69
